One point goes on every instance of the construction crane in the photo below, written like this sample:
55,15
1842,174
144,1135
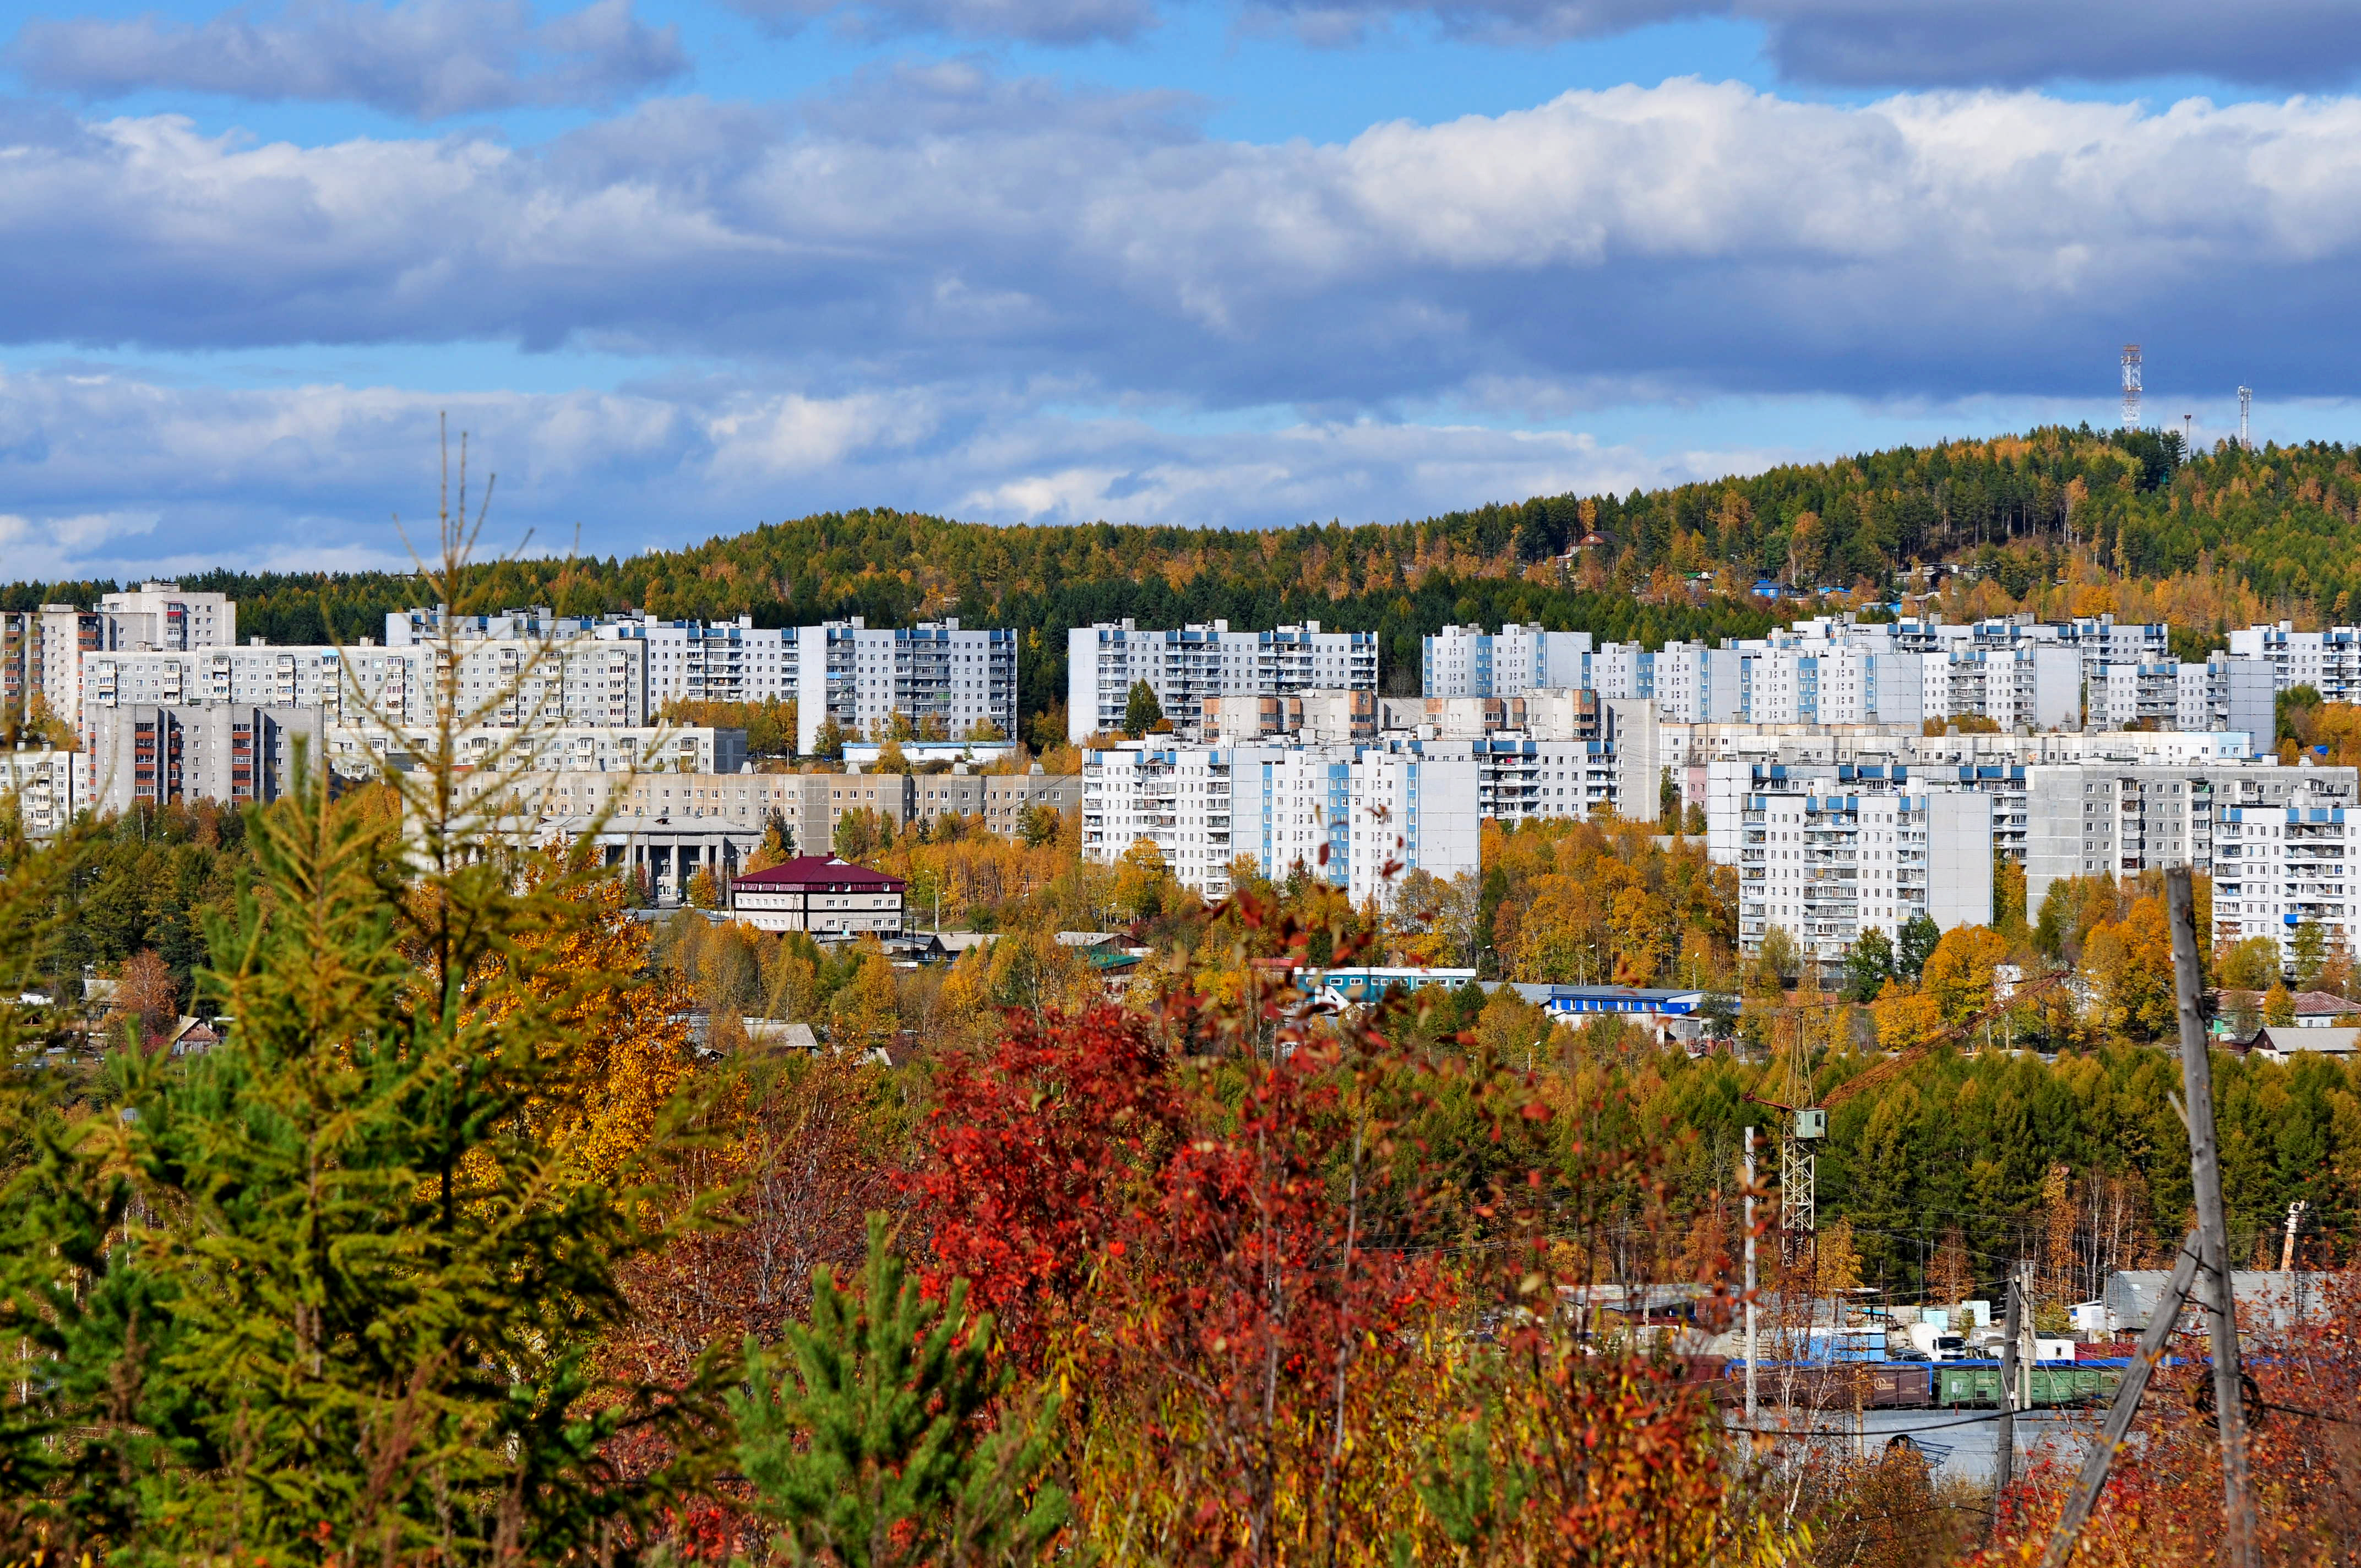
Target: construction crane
1807,1124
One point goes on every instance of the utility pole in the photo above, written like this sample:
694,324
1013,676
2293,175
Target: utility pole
1749,1276
2212,1234
2287,1247
2005,1438
2118,1424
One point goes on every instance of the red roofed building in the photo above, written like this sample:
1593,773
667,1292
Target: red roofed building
821,894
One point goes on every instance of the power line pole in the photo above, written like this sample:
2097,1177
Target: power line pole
2005,1439
2212,1233
2153,1339
1749,1276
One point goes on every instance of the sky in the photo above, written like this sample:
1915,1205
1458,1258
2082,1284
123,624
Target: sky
677,267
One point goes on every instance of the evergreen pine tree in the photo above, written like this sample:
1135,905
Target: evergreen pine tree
860,1432
334,1290
1141,711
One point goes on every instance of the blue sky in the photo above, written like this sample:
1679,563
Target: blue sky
680,267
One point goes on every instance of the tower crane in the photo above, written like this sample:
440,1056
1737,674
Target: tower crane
1807,1124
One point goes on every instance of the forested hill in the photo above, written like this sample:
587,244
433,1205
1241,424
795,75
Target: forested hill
2057,520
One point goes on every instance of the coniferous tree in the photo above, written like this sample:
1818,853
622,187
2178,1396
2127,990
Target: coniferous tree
860,1431
1141,711
335,1289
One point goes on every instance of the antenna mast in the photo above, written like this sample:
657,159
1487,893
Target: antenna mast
2131,385
2246,407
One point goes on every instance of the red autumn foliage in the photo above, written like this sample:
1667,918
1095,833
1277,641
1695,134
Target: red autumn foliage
1027,1157
2163,1502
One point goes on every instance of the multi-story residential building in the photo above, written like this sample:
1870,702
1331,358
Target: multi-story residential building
159,754
1821,684
166,616
1316,717
502,683
1467,660
2028,686
2280,868
41,653
692,661
43,788
1828,859
1407,811
2111,820
356,750
1183,668
2329,661
1692,684
1341,812
946,682
2226,693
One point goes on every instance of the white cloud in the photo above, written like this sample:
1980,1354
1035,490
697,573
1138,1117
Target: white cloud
422,58
313,476
1692,236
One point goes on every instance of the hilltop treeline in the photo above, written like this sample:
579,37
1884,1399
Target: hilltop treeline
2058,521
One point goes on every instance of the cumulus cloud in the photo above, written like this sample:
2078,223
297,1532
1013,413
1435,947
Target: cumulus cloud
1690,238
425,58
114,474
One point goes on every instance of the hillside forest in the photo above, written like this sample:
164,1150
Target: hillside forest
2057,522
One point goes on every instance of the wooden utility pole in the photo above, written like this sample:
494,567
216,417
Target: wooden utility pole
2005,1439
2213,1232
2158,1335
1749,1276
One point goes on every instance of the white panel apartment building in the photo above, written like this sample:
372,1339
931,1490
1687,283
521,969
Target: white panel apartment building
498,684
1278,806
1827,861
2328,662
2275,839
720,661
163,615
945,679
1467,660
44,789
1185,667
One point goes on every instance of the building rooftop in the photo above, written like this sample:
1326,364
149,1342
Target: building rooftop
817,870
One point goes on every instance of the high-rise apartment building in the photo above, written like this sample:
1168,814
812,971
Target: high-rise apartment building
1467,660
1340,813
1183,668
2274,839
945,681
159,754
1828,859
164,615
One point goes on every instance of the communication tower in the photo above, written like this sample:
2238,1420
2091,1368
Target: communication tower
2246,407
2131,385
2188,434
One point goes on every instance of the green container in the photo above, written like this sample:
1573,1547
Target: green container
1967,1385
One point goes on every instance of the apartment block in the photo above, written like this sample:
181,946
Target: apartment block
1319,718
1467,660
2286,825
357,750
1341,812
1828,859
492,683
1186,667
693,661
166,616
947,682
156,755
43,788
2329,661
